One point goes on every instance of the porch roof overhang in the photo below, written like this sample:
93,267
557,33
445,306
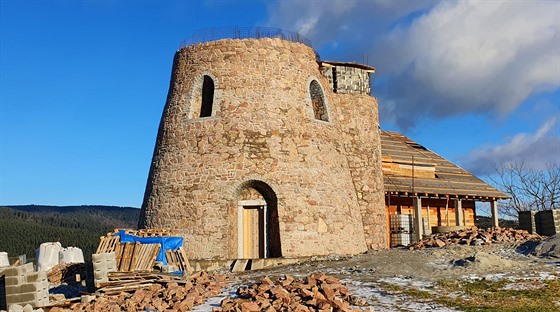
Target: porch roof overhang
448,179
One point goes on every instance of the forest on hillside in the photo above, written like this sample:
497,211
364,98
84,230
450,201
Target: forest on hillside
24,228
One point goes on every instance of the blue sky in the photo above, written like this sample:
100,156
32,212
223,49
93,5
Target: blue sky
83,83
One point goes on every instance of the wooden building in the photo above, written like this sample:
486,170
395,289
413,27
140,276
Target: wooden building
433,190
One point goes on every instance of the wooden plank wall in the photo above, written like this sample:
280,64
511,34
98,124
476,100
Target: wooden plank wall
403,205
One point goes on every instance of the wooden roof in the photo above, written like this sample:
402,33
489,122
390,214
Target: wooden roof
364,67
410,169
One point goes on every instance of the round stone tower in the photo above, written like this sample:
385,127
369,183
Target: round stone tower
257,157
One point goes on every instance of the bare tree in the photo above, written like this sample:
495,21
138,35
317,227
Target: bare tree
528,188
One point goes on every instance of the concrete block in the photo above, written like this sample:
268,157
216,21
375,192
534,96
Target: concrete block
31,297
44,293
27,308
13,299
240,265
14,307
14,271
14,280
31,303
111,265
33,277
257,264
87,298
28,267
13,289
43,302
101,266
32,287
98,258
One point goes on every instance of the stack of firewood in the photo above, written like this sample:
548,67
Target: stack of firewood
318,292
475,236
67,273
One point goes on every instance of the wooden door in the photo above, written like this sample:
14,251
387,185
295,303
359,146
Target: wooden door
253,232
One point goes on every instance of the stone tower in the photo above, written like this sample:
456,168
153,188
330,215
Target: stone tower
257,156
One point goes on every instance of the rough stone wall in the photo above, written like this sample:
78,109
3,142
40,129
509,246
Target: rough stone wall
360,133
327,185
347,79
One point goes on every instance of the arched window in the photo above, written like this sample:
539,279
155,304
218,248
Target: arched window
207,97
318,101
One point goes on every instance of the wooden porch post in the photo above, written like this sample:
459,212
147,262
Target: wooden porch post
494,210
418,226
458,212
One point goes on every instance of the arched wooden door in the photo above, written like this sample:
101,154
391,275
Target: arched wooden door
258,229
254,229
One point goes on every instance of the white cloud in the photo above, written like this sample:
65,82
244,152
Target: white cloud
439,59
473,56
537,150
325,22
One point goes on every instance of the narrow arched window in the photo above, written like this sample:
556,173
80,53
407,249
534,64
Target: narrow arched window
318,101
207,97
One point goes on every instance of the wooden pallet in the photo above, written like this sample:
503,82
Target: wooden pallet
145,258
154,232
136,256
126,258
107,244
178,258
157,232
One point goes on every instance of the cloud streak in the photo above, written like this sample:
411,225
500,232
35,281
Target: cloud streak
439,59
536,150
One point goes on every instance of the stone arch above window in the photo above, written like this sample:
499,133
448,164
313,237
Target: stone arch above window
318,101
203,99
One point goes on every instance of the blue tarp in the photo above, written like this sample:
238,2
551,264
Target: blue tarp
166,242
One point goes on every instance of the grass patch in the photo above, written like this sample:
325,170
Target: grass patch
488,295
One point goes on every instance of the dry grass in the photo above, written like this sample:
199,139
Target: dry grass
489,295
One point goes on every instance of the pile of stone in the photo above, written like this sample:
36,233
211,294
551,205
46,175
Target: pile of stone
476,237
317,292
150,292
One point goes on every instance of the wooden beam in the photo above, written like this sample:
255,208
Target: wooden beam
494,211
418,230
458,212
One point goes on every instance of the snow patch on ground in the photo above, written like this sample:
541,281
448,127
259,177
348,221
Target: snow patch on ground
407,281
215,302
500,276
389,301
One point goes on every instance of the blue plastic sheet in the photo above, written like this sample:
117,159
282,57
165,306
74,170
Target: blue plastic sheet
166,242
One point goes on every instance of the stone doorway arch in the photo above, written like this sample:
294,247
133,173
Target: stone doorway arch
257,221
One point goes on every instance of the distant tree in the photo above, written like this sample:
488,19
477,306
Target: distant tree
528,188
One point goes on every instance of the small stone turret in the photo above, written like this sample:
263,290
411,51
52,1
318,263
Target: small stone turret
345,77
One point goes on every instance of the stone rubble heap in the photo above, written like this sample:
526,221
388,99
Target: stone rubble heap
317,292
475,237
127,291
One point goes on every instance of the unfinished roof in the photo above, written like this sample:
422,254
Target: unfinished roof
410,169
364,67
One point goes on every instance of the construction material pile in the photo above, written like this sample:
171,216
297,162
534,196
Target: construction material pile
151,292
136,256
317,292
67,273
476,237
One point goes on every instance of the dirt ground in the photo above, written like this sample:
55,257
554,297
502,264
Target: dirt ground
374,275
